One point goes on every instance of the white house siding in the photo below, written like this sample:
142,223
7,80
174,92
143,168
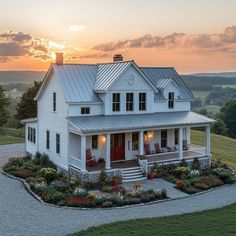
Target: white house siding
55,122
122,86
31,148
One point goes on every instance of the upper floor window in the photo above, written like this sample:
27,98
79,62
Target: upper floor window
142,101
31,135
47,139
116,102
171,100
85,110
58,144
54,101
129,101
94,141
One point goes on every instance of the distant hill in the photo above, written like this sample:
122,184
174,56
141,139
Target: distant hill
220,74
9,77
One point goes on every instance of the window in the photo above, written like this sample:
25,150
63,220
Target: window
171,100
94,142
116,102
135,141
129,101
54,101
58,145
142,101
31,135
164,138
47,139
176,136
85,110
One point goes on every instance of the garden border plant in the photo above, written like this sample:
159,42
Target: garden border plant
55,188
194,180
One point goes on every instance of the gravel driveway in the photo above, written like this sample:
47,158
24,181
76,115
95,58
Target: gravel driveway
21,214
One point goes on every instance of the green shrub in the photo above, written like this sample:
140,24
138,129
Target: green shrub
103,180
182,170
23,173
50,174
183,163
191,190
107,204
60,185
202,186
196,164
224,174
51,195
163,193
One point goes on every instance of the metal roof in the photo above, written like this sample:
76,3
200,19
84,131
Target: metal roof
108,73
81,82
158,75
92,124
77,82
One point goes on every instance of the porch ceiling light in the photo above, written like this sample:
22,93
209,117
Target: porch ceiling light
103,138
150,134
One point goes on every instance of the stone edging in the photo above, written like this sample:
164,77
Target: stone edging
27,187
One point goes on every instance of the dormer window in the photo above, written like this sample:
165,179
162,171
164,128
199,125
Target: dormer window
129,101
142,101
115,102
54,101
171,100
85,110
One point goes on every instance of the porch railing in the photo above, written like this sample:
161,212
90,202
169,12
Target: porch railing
143,165
74,161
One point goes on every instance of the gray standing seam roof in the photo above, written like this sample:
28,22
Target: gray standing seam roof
80,82
77,82
155,74
90,124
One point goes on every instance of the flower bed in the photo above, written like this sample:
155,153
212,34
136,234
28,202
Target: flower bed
194,180
56,188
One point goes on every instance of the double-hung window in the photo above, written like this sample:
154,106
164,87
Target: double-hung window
171,100
135,138
115,102
142,101
54,101
31,135
47,139
164,138
58,144
129,101
94,141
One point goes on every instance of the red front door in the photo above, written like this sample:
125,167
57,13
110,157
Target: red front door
117,147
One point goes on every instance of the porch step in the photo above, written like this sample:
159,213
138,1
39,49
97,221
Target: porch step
132,174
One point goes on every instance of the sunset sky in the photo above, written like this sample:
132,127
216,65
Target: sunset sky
193,36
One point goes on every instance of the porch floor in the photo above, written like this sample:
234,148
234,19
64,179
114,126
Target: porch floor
114,165
194,151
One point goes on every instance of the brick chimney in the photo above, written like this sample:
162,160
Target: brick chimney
117,57
59,58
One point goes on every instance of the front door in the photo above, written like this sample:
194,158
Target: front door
117,147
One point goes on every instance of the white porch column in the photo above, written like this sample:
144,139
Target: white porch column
83,152
180,143
140,143
208,140
108,151
188,134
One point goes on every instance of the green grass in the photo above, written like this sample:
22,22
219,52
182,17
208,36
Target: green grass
222,147
210,223
4,139
213,109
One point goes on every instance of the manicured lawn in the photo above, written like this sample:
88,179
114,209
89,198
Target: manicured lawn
4,139
221,147
210,223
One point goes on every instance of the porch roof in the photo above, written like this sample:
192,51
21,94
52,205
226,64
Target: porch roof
101,123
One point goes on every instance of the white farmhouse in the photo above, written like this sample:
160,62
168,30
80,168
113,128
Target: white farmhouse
115,116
